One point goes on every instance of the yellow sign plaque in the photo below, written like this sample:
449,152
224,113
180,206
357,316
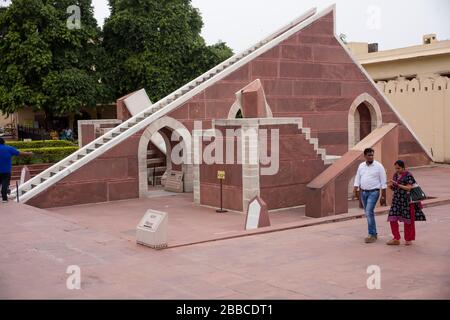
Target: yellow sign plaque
221,175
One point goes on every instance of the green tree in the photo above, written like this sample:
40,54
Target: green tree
45,64
156,45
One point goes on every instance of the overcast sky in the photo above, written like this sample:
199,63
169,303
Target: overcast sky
391,23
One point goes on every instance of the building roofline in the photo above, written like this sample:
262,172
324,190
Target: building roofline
424,50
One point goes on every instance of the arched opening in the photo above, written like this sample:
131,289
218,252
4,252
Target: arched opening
164,151
365,121
157,162
364,116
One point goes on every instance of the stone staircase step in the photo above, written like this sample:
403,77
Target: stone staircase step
156,160
157,169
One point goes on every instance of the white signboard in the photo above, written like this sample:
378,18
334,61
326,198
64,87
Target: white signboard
254,210
152,229
153,220
24,175
137,102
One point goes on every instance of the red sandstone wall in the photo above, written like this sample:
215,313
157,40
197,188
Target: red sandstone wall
311,76
232,185
113,176
88,134
299,164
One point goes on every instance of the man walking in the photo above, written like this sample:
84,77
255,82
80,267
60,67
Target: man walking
6,154
370,178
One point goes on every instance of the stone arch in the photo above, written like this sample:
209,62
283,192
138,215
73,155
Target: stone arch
234,110
181,132
353,117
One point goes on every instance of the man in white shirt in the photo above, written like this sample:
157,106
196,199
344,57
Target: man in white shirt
370,178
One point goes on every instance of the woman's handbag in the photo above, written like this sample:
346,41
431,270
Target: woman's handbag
417,194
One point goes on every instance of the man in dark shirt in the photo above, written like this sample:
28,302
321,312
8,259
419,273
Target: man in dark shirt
6,154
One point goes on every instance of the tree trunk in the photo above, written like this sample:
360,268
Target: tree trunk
48,120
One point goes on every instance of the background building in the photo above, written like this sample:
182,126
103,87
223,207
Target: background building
416,81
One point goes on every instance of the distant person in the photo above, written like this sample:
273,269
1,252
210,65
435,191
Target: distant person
69,134
370,178
402,208
6,154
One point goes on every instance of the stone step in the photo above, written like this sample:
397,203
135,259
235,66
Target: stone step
156,160
157,169
102,131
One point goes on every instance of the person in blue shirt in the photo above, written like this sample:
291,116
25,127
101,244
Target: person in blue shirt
6,154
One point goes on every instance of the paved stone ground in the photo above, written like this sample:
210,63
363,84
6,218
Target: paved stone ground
188,222
324,261
327,261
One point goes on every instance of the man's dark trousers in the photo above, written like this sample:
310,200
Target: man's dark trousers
5,178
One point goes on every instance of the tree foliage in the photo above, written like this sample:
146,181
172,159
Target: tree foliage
156,45
151,44
45,64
